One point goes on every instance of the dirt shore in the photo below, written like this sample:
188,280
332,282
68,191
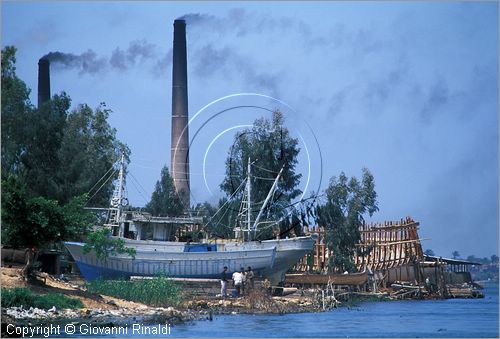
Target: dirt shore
105,310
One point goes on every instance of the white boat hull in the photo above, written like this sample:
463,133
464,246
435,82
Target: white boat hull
173,263
288,251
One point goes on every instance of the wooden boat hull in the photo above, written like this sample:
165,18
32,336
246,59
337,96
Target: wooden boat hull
354,279
173,264
288,251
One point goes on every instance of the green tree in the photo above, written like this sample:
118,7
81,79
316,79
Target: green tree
89,148
56,153
347,201
220,219
455,254
37,222
104,245
165,201
16,108
206,211
40,162
494,259
269,145
50,158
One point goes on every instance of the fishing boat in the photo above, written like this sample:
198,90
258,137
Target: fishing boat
206,261
155,252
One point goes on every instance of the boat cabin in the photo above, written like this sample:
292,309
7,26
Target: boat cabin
140,225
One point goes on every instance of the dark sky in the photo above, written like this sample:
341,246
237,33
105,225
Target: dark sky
408,90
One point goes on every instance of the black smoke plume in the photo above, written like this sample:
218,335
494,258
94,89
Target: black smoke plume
89,62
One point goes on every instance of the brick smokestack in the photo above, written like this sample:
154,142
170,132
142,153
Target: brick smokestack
180,133
43,81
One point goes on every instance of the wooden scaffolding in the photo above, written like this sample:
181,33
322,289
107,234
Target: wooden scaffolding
383,245
318,259
389,244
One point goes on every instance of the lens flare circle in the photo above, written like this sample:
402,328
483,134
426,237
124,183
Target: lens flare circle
208,149
185,129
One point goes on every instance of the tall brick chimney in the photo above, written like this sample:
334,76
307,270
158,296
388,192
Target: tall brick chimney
180,132
43,81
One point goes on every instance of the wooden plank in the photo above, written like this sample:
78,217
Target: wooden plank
399,247
392,253
316,249
409,225
385,246
323,258
323,279
397,242
369,258
379,257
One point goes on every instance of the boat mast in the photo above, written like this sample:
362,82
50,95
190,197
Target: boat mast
249,188
118,201
271,191
120,187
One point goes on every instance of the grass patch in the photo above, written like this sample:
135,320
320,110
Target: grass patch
14,297
158,291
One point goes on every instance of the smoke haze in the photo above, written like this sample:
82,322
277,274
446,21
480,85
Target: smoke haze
138,51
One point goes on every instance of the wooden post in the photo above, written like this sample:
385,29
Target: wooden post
369,254
316,245
392,247
410,244
383,247
323,248
400,245
388,256
379,247
363,248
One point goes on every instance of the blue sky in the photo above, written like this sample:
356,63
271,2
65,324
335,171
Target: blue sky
408,90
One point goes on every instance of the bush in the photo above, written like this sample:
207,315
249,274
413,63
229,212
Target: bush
12,297
17,296
158,291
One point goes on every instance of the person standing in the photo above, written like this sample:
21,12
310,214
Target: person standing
249,278
238,282
243,280
224,276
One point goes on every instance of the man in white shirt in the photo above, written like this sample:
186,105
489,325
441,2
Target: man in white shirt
237,281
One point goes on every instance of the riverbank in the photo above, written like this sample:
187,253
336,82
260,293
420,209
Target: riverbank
200,303
98,308
431,318
103,310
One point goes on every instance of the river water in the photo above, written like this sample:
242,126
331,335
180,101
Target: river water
412,318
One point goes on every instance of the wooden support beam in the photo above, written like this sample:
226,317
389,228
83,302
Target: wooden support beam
316,248
376,227
379,257
382,244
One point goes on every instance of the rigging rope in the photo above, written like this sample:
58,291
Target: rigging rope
137,188
227,201
113,173
262,178
98,181
265,169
